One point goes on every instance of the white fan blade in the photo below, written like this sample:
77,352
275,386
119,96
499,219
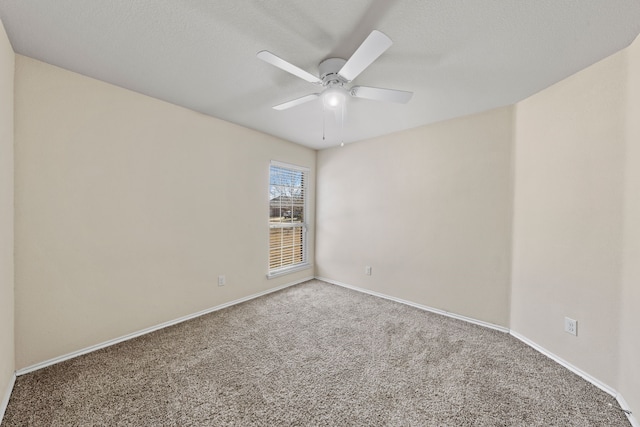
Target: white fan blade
295,102
379,94
272,59
370,49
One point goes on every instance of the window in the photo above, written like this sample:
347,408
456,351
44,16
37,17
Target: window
287,218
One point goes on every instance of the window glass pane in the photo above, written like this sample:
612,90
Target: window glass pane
286,195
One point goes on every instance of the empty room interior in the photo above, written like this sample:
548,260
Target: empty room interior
165,164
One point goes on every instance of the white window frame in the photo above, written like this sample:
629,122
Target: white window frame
279,271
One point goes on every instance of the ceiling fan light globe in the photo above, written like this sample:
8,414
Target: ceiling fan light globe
333,98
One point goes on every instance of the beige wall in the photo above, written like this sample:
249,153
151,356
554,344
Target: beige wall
128,209
6,213
629,372
569,157
428,209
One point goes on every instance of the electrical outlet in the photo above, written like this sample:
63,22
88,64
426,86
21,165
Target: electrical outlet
222,280
367,270
571,326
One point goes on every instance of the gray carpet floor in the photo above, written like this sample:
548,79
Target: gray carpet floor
314,354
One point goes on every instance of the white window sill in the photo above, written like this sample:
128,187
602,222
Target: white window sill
287,270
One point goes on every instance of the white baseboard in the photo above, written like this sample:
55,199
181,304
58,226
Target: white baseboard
7,396
623,404
602,386
420,306
127,337
584,375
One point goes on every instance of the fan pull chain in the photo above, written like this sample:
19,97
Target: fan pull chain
342,128
323,120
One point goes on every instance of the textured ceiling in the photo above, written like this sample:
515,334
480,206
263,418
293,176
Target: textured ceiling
458,57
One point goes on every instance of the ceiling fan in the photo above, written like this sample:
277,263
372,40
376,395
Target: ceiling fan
337,73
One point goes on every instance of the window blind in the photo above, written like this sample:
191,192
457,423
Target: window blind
287,217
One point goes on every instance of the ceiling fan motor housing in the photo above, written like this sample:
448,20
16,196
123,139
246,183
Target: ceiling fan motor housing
329,72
